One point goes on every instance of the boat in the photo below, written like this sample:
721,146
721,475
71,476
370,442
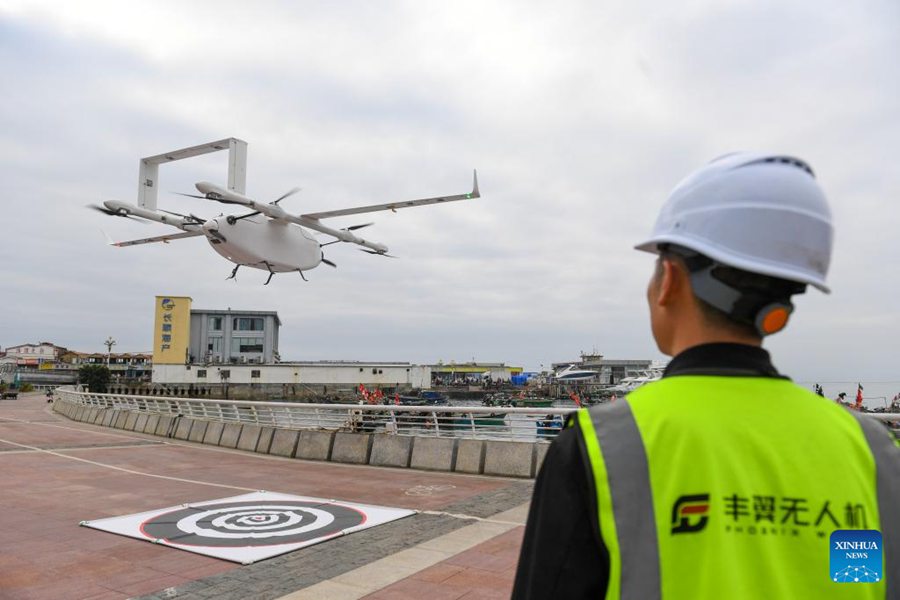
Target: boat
520,401
480,420
570,373
424,398
633,382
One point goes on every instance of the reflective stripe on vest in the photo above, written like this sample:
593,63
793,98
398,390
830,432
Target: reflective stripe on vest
629,531
887,464
731,486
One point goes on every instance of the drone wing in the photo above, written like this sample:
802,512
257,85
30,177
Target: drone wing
395,205
162,238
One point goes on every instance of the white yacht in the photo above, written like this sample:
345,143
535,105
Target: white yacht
570,373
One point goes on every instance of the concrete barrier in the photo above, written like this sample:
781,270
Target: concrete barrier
230,435
198,430
152,422
434,454
109,417
130,421
391,450
120,420
166,425
265,439
284,442
315,445
352,448
511,459
213,433
183,429
470,456
249,438
540,452
462,455
141,423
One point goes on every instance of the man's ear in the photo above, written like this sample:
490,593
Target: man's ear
671,282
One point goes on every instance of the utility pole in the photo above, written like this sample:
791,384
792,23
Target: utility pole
109,343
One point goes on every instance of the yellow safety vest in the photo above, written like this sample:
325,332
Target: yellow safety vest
729,487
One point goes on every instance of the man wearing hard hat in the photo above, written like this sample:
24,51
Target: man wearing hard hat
724,479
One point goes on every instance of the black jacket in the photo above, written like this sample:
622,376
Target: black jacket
562,555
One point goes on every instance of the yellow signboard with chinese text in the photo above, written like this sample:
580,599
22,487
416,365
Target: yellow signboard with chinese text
171,330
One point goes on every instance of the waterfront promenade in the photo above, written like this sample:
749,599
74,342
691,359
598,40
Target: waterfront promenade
56,473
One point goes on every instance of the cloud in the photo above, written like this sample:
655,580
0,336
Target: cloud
580,118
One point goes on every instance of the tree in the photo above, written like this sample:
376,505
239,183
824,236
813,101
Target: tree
94,376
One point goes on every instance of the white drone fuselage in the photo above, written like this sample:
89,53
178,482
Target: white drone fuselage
264,243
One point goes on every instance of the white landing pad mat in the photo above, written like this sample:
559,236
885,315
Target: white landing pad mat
249,527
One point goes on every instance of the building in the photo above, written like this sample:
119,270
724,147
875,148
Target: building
609,371
34,355
233,337
472,373
331,374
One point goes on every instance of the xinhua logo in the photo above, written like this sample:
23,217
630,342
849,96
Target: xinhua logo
855,556
689,514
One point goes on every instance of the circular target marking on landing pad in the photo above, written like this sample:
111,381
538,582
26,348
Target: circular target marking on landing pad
251,523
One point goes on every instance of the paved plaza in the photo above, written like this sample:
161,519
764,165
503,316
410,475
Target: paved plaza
463,542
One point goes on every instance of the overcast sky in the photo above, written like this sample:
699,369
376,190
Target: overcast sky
580,117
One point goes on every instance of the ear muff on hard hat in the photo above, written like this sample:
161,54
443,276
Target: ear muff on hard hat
760,301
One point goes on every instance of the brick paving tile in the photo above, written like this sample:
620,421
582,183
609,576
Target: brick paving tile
438,573
410,589
147,586
484,571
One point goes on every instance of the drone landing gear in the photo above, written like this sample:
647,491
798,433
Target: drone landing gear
233,273
271,273
302,276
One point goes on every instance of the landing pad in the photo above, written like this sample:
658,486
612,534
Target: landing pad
250,527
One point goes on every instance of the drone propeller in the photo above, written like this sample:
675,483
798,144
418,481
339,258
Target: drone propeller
328,262
202,197
367,251
232,220
290,193
116,213
355,227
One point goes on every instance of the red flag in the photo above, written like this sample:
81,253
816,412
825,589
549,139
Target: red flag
859,397
575,399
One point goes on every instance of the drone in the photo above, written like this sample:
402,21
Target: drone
268,237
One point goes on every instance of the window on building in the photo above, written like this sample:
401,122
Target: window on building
244,344
254,373
214,345
215,323
225,373
201,373
247,324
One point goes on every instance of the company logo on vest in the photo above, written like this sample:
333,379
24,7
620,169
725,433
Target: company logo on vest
689,513
855,556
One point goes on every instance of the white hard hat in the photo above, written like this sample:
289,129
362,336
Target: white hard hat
762,213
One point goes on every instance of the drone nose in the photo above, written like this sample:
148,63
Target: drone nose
211,225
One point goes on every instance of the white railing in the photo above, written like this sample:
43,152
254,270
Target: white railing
525,424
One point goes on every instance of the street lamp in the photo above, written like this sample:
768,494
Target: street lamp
109,343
